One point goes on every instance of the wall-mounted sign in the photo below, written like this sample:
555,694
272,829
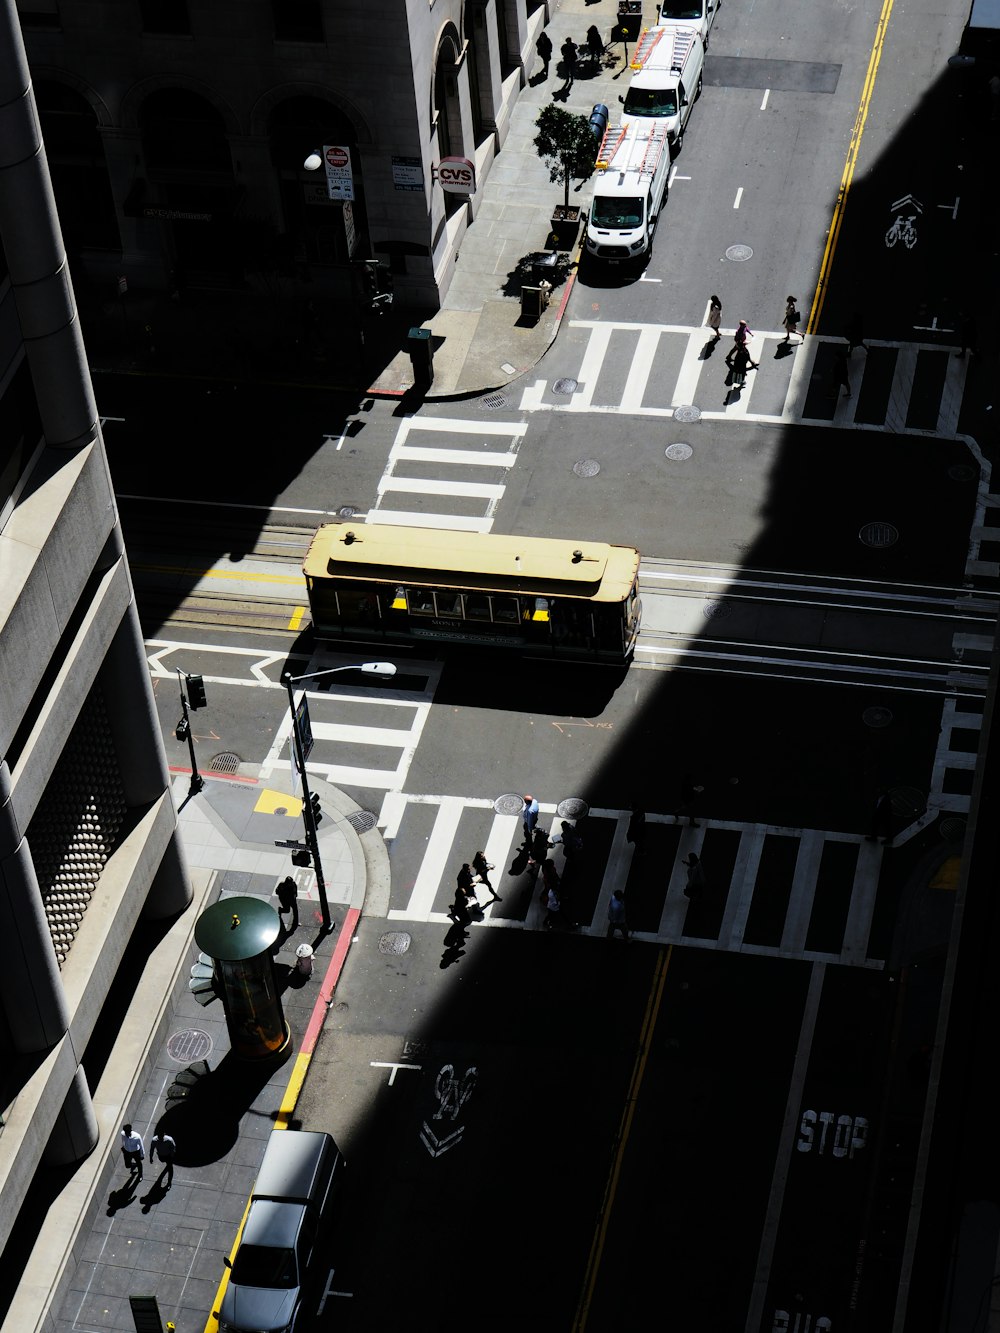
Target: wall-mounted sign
339,181
407,173
457,175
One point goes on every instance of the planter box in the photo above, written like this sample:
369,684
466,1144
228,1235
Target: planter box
565,226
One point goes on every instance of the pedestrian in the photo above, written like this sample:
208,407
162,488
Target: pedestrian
714,320
539,848
881,823
133,1150
968,334
466,881
616,915
459,910
695,876
855,333
544,48
553,906
482,867
595,44
529,816
742,333
568,50
838,373
166,1146
791,320
288,900
690,791
636,833
572,842
738,361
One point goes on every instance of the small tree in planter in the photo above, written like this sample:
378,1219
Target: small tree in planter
565,143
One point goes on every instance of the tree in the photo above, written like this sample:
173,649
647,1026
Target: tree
565,143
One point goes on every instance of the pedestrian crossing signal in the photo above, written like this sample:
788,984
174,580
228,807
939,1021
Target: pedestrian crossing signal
301,858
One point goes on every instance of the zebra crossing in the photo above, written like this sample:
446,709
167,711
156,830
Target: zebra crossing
900,387
361,737
455,482
771,891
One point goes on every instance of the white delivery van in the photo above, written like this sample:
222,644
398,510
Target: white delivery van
668,64
696,14
633,164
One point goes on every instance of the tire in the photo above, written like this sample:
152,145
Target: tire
697,91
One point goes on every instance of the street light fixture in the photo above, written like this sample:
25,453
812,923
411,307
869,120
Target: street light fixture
309,814
313,162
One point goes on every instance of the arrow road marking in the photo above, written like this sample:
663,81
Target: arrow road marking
435,1146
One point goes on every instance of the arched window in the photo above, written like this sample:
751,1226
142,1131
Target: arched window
78,168
320,230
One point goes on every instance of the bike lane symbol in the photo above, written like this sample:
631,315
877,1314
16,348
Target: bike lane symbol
903,228
452,1092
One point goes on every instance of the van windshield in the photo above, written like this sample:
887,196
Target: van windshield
651,102
681,9
616,212
264,1266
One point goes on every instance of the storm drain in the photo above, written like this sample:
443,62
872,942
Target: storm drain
494,401
362,820
225,763
191,1044
952,829
394,942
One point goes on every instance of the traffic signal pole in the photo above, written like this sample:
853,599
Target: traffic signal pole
308,808
183,728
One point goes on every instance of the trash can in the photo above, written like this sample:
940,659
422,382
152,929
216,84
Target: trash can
418,344
304,959
599,120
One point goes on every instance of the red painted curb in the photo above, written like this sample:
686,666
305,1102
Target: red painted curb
330,979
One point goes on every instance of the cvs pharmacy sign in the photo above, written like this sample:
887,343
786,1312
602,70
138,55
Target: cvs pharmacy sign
457,175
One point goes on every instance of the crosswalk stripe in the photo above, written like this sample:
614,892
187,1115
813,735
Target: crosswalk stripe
734,918
902,386
430,486
642,364
691,367
793,936
615,876
593,359
349,734
466,457
862,904
459,426
439,846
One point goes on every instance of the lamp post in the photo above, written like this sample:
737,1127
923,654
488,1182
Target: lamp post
309,813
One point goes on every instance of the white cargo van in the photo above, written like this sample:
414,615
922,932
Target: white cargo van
633,164
696,14
668,64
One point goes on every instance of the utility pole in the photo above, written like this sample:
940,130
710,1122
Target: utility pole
196,690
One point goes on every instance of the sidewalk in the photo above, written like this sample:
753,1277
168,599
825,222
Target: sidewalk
480,340
101,1243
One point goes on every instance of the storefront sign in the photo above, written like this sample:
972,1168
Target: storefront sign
457,175
407,173
339,181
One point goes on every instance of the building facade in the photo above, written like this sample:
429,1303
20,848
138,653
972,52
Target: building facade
88,838
178,132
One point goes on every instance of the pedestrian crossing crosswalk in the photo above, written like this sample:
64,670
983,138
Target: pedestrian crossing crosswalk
361,737
777,892
444,472
910,387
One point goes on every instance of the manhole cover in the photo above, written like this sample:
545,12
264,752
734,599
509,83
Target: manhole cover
587,467
678,453
952,829
189,1045
877,717
879,535
494,401
394,942
687,413
347,511
908,803
565,386
716,610
225,763
739,254
573,808
962,472
508,804
362,820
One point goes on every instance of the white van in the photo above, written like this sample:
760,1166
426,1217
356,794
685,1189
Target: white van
633,164
696,14
668,64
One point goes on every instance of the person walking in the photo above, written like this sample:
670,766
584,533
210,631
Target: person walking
544,48
742,334
690,791
881,822
133,1150
855,333
839,376
288,900
482,867
466,883
165,1146
695,877
595,45
568,50
459,910
616,915
714,318
739,362
791,320
529,816
553,906
636,832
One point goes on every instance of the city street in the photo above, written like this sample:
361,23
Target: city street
718,1121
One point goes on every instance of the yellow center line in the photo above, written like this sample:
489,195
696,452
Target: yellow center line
235,574
653,1003
854,147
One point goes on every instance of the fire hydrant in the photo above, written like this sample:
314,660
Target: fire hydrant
304,959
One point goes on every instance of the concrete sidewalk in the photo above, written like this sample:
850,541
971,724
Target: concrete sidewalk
100,1241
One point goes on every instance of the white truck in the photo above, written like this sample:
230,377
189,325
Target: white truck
633,164
668,64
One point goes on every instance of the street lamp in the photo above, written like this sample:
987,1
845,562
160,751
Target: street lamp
309,813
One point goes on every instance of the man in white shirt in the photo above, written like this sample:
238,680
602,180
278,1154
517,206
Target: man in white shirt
133,1150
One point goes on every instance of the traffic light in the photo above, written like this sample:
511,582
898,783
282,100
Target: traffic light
183,729
317,813
301,858
196,692
369,278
